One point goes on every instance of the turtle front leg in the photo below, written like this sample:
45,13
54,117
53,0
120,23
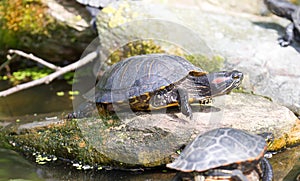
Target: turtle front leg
183,99
287,39
267,170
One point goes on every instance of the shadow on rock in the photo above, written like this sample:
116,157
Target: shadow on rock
280,31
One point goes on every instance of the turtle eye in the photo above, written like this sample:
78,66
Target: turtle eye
237,75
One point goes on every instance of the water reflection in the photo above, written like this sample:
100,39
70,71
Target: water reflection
14,166
294,174
40,99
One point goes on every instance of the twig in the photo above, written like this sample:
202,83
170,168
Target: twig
37,59
9,58
46,80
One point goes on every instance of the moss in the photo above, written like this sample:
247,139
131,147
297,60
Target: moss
277,144
135,48
65,139
4,143
117,16
20,19
208,64
26,25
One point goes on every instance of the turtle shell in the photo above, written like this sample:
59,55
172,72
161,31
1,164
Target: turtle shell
221,147
138,75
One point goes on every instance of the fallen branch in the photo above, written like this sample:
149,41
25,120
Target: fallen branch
47,79
37,59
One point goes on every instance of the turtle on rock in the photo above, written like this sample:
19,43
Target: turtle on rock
225,154
286,9
156,81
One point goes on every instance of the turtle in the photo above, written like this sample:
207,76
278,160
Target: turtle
155,81
286,9
225,153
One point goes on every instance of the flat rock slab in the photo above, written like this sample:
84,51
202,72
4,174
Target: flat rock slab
152,139
249,112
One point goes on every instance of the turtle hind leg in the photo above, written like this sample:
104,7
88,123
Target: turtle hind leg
287,39
85,109
184,103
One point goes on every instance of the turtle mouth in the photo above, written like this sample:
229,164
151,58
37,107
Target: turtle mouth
237,78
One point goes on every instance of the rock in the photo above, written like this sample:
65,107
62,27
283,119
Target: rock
247,41
68,33
249,44
248,112
149,140
70,13
284,162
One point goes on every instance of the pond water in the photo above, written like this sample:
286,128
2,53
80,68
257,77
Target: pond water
43,101
13,166
37,100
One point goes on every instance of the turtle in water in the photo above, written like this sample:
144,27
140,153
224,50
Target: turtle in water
225,153
156,81
285,9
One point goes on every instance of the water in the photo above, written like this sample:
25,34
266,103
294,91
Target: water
15,167
36,100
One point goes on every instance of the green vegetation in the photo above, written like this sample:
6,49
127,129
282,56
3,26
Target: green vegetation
27,74
20,21
208,64
62,139
135,48
25,25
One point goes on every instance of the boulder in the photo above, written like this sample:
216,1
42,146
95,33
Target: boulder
247,40
150,139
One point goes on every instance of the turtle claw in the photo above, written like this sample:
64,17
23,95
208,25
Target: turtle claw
283,43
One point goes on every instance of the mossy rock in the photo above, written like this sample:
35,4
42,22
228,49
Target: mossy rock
149,139
141,142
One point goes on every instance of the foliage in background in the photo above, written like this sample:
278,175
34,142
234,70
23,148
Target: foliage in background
21,19
297,2
25,25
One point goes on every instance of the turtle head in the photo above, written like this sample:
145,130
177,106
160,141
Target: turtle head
223,82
